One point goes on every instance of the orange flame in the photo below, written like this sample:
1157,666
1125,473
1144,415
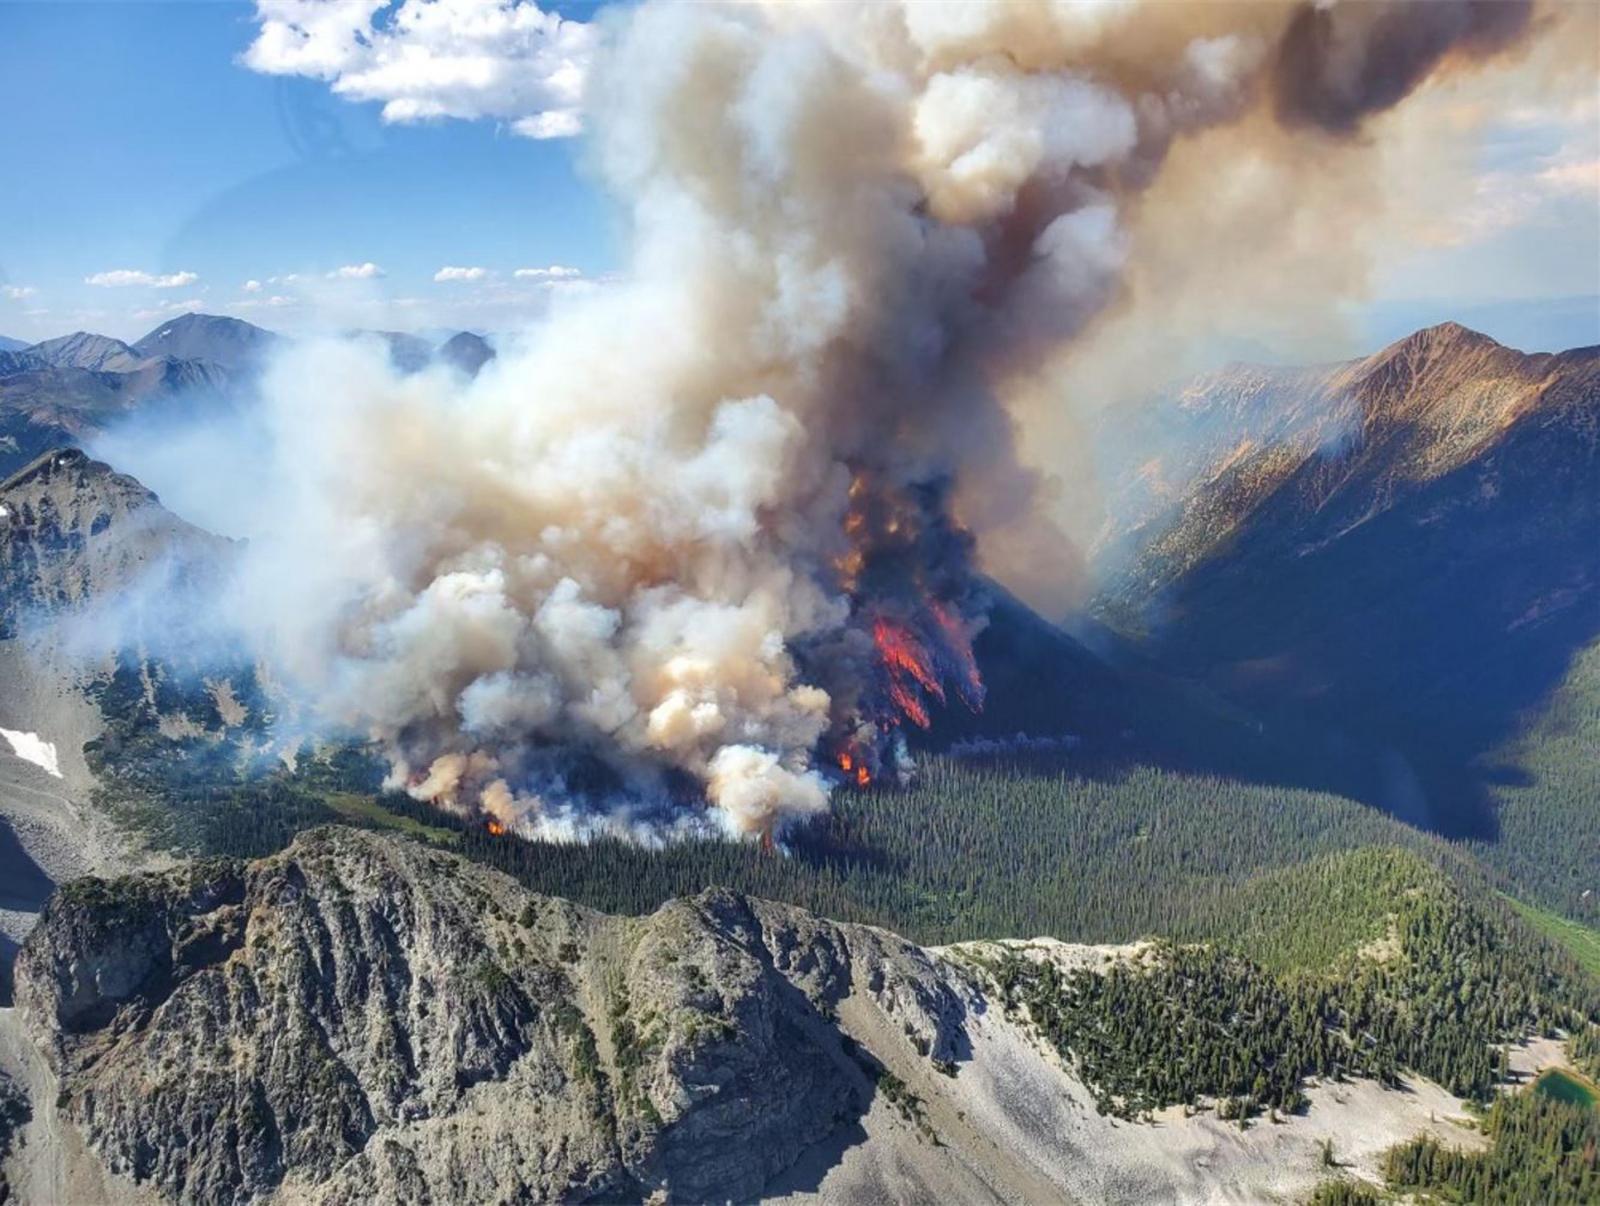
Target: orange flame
960,646
907,663
863,776
496,829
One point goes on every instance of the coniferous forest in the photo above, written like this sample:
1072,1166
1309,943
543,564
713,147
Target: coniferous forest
1540,1150
1300,937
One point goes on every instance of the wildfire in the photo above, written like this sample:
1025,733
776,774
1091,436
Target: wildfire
855,768
905,563
958,646
909,669
496,828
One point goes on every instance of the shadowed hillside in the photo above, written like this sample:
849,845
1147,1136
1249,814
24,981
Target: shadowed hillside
1413,588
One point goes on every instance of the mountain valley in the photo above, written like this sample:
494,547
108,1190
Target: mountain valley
482,1016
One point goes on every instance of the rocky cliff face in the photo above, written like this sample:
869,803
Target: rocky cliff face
365,1019
72,530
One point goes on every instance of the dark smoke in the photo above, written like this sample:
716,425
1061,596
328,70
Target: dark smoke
1337,65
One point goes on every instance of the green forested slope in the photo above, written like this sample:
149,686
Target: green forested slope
1548,800
1445,983
1018,848
1540,1150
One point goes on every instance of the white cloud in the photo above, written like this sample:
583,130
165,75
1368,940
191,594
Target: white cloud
460,274
18,292
555,272
1507,199
1581,178
352,272
423,59
276,301
252,286
554,123
118,278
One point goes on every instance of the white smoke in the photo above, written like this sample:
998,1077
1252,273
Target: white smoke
853,230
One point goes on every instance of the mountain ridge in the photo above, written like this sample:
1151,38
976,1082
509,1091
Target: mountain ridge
1413,575
63,390
230,342
362,1017
85,350
74,532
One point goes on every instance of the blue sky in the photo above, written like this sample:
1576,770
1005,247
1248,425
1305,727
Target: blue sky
136,140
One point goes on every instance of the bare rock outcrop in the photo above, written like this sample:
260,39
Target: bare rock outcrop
362,1018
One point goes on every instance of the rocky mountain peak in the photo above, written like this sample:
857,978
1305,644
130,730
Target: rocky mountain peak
229,342
72,529
67,483
86,350
1448,380
467,352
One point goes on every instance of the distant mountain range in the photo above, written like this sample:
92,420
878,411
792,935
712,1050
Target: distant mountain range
61,391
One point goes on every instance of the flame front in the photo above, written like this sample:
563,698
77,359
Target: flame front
908,670
905,565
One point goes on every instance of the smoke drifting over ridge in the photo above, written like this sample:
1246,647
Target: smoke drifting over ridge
713,526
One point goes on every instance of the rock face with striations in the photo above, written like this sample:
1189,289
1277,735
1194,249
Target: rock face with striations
361,1018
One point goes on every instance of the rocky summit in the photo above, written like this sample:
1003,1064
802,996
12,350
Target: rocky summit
73,530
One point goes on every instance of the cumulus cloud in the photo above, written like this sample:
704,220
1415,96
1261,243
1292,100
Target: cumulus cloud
118,278
428,59
252,286
18,292
352,272
448,273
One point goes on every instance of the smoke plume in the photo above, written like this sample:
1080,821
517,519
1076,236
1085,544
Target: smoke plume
1338,63
708,534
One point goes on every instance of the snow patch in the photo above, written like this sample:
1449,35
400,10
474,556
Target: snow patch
30,747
